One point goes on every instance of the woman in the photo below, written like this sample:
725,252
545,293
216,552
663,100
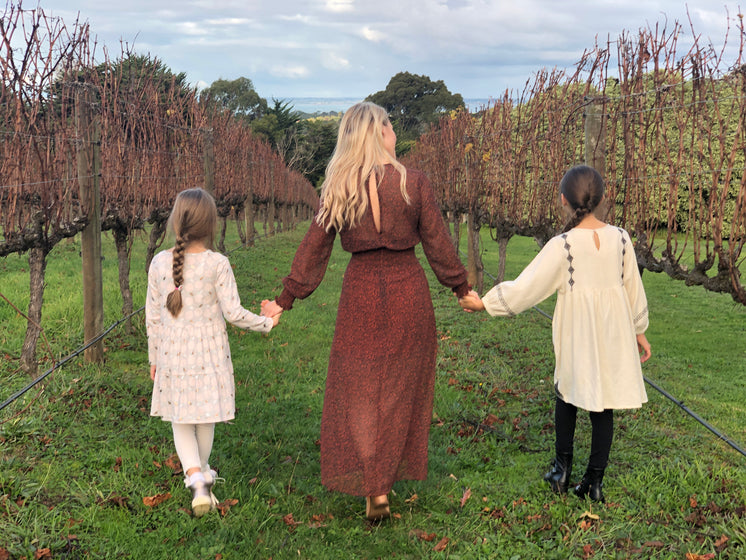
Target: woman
379,388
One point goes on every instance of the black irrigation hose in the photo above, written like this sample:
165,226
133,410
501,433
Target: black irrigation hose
61,363
673,399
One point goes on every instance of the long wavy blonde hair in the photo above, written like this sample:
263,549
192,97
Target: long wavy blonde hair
359,153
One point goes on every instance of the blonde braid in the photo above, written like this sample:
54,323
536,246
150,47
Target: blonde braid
173,301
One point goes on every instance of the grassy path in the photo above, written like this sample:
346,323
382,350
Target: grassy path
77,467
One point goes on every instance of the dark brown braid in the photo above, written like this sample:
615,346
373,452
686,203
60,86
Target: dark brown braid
583,188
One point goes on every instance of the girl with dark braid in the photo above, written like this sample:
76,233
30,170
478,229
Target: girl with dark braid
598,326
191,293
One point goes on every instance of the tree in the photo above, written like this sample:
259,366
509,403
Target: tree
414,102
237,96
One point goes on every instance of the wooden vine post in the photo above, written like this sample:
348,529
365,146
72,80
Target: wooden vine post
89,172
595,136
209,161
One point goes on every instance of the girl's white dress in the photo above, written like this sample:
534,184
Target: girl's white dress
194,373
601,306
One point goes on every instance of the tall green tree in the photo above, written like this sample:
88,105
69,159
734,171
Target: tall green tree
237,96
414,102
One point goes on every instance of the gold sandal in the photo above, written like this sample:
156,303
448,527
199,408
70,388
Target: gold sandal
377,511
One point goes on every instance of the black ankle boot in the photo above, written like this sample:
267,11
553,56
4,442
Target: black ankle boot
592,485
559,477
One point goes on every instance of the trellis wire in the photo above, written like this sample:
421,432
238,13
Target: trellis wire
670,397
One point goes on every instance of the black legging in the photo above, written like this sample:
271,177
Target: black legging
602,432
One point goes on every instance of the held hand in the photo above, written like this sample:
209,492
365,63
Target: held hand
471,302
644,347
271,309
152,372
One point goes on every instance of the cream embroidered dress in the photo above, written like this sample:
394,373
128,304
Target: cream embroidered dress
194,373
601,306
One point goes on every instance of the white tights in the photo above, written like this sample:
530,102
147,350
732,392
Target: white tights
193,444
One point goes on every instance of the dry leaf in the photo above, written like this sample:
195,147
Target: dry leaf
590,515
693,556
441,546
289,521
173,463
411,499
43,553
466,496
721,541
225,506
152,501
422,535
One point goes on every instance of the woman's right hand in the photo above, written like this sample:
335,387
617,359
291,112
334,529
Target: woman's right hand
271,309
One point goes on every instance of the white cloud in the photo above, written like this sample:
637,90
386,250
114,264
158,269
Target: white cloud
292,72
333,61
228,21
339,6
372,34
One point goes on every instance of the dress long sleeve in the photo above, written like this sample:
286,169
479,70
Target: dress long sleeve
152,315
634,287
309,265
437,244
230,302
539,280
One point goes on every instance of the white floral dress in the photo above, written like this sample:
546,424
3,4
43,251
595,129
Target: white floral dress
194,373
601,307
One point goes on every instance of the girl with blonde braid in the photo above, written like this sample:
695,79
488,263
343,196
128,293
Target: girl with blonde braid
191,293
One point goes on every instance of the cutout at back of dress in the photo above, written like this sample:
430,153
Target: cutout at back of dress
375,206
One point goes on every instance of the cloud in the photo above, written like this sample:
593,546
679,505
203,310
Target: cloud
339,6
333,61
291,72
372,35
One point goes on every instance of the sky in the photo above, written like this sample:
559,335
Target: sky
351,48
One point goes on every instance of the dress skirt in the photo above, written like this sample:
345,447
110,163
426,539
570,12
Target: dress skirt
379,389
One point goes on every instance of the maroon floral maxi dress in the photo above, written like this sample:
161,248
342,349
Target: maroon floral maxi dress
379,388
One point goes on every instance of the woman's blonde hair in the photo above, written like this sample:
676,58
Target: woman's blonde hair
193,218
359,153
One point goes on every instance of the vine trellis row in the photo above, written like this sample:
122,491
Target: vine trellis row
92,146
666,129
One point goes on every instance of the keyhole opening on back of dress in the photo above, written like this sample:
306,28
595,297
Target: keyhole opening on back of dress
596,240
375,206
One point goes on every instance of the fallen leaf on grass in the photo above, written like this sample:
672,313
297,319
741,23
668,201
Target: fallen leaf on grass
290,522
465,497
116,499
590,515
422,535
225,506
441,546
42,553
4,554
173,463
152,501
693,556
411,499
721,542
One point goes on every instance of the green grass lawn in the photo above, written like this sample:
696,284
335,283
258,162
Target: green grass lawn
79,459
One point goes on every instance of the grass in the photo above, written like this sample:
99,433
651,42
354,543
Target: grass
77,459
